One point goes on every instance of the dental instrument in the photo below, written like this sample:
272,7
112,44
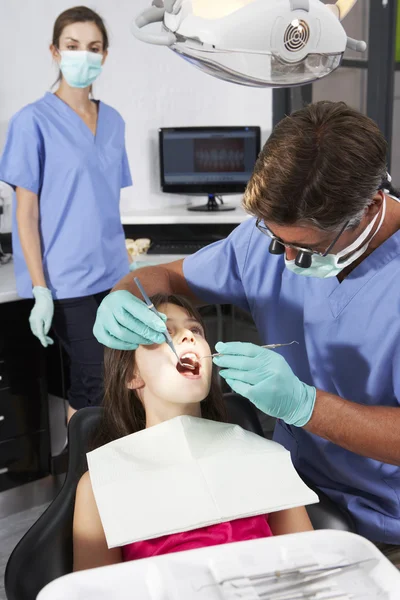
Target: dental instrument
301,582
168,338
259,43
304,571
268,346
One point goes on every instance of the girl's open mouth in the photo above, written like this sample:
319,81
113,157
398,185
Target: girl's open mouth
189,366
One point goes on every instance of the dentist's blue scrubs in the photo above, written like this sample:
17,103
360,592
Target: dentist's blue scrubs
349,345
77,177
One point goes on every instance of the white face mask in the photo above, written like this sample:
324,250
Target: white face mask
80,68
329,265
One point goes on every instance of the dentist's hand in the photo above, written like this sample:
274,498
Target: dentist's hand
265,378
42,315
124,322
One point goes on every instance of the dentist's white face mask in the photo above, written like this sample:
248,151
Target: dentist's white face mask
331,265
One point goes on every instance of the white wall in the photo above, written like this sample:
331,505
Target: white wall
150,86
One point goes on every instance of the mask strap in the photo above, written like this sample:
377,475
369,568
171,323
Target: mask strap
388,180
382,217
358,242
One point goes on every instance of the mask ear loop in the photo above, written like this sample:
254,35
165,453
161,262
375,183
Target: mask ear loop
388,180
351,249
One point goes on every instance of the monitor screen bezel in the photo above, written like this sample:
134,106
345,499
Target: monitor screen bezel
201,189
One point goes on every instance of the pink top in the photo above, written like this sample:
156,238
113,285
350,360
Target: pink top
222,533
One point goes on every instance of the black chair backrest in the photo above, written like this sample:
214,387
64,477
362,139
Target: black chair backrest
45,552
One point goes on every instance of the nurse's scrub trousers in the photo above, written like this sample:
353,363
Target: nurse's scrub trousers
73,326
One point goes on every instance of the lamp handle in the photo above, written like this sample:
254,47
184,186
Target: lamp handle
154,14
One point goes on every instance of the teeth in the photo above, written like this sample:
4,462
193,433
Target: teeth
190,355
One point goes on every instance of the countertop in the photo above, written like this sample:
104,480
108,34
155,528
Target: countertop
170,215
180,214
8,288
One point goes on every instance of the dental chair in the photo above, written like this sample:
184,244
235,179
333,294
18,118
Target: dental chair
45,552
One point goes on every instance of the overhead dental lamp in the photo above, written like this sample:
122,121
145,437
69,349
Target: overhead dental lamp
260,43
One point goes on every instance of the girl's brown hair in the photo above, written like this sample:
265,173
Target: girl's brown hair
123,411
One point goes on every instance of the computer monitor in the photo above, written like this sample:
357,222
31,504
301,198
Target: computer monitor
208,160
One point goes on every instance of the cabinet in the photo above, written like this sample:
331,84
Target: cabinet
24,422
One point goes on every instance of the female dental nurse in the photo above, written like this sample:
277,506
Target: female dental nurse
65,157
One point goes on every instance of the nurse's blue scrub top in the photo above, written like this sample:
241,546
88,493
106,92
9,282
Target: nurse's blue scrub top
349,345
78,177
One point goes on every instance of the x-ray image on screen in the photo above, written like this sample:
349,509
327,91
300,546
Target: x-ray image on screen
219,155
207,160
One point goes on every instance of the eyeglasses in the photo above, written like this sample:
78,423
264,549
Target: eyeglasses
304,255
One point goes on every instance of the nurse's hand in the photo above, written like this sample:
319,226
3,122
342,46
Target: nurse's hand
265,378
124,322
42,315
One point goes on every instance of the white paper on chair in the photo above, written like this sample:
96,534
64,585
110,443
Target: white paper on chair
188,473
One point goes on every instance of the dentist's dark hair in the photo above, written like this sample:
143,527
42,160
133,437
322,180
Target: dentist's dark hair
321,167
123,411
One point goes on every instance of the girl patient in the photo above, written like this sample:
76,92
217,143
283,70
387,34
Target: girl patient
144,388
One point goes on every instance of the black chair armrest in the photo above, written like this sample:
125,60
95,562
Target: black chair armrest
242,412
45,552
327,514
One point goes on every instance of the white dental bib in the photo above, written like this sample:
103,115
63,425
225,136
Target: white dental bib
188,473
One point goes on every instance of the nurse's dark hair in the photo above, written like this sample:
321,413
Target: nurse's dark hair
78,14
321,166
123,412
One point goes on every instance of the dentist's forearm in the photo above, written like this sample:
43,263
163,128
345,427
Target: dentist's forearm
160,279
371,431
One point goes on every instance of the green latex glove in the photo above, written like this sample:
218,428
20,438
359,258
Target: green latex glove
42,315
265,378
124,322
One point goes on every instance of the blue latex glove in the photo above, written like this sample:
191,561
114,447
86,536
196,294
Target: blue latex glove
265,378
42,315
124,322
132,266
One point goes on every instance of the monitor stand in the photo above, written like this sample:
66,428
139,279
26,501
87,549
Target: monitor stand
212,205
